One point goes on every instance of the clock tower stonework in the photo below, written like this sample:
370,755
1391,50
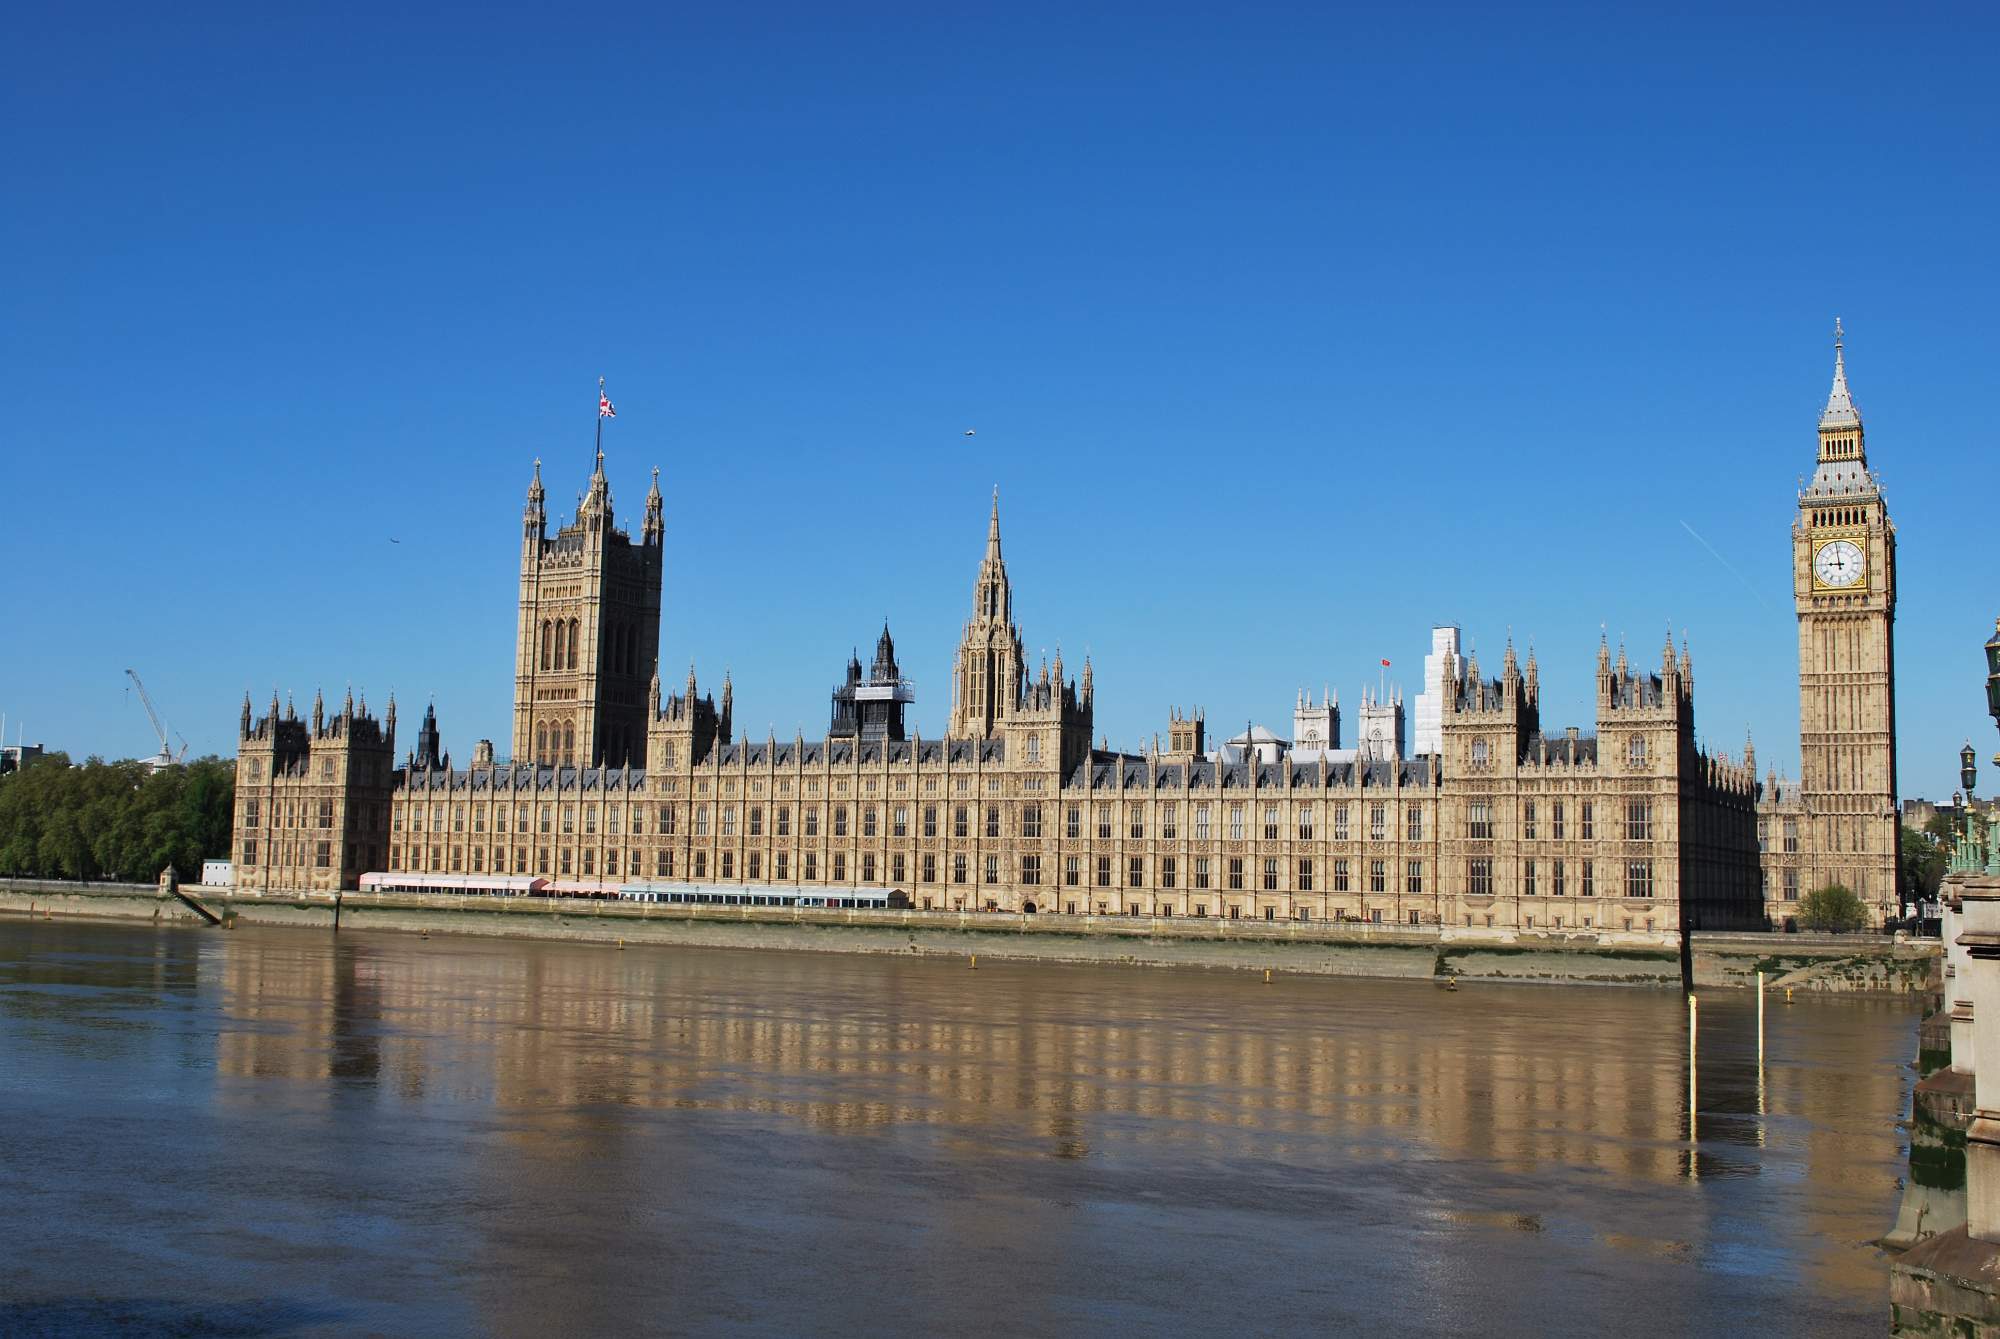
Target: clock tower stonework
1844,588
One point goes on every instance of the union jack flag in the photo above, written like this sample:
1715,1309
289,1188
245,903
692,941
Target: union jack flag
604,409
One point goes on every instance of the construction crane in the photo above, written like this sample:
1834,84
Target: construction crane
166,756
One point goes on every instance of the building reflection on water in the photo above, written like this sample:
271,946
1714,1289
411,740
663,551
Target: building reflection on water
1062,1061
496,1136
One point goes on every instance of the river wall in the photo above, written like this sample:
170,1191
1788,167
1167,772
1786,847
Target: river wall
1845,964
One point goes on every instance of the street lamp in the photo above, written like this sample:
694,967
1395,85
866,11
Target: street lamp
1968,772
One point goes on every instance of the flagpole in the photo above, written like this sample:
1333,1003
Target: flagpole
600,425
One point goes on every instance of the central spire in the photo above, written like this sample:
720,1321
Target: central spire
1840,411
993,527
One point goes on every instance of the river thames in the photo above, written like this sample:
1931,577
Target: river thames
295,1133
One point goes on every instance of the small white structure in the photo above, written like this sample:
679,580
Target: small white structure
1442,670
1266,747
218,874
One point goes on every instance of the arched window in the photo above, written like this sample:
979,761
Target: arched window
569,740
572,643
562,639
541,744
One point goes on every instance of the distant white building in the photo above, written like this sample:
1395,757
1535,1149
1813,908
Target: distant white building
1442,670
1267,746
218,874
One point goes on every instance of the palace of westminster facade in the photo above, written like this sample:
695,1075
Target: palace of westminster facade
1494,822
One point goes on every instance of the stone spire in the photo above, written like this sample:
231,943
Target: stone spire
246,713
1840,411
993,529
655,528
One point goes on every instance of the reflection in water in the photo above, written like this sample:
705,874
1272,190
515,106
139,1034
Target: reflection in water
519,1138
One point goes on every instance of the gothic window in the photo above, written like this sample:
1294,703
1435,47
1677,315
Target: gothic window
1590,878
1340,822
839,866
1137,827
1031,869
812,866
1270,875
959,822
1588,823
1638,821
544,649
957,868
1306,825
1167,864
1479,753
992,821
868,867
569,745
1305,876
1034,748
1378,875
756,820
1236,822
572,643
1414,876
1377,821
1169,822
1528,821
1635,750
1270,822
993,869
1479,877
1638,878
1135,872
1527,878
562,641
1031,820
868,821
1414,822
1201,874
1072,871
1479,820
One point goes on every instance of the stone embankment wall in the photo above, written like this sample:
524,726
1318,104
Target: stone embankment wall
1806,962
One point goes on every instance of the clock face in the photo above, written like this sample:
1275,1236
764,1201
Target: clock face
1839,563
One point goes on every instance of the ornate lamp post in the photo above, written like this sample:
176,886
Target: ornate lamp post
1993,710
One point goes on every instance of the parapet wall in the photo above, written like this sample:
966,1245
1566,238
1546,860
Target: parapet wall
1842,963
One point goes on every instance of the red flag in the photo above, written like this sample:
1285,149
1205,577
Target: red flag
604,409
1385,664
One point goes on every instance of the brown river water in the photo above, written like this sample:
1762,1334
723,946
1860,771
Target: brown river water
279,1132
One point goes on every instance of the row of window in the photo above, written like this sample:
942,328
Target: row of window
990,821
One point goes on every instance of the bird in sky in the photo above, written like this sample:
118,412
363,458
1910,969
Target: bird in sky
394,540
969,431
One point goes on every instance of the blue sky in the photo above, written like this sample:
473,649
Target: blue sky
1286,332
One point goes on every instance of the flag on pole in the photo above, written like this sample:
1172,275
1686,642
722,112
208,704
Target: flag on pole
604,409
1385,664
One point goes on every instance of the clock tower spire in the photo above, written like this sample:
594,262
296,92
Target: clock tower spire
1844,591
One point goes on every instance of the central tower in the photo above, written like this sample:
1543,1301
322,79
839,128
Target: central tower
589,632
987,680
1844,588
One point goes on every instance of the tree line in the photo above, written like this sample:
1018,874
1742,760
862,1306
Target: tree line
118,821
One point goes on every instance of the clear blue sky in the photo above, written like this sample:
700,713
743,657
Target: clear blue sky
1285,331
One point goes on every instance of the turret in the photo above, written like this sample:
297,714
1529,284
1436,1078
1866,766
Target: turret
535,517
244,731
653,532
319,713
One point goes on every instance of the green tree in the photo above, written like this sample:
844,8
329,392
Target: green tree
1925,859
1833,908
116,820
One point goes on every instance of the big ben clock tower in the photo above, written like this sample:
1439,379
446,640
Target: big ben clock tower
1844,587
